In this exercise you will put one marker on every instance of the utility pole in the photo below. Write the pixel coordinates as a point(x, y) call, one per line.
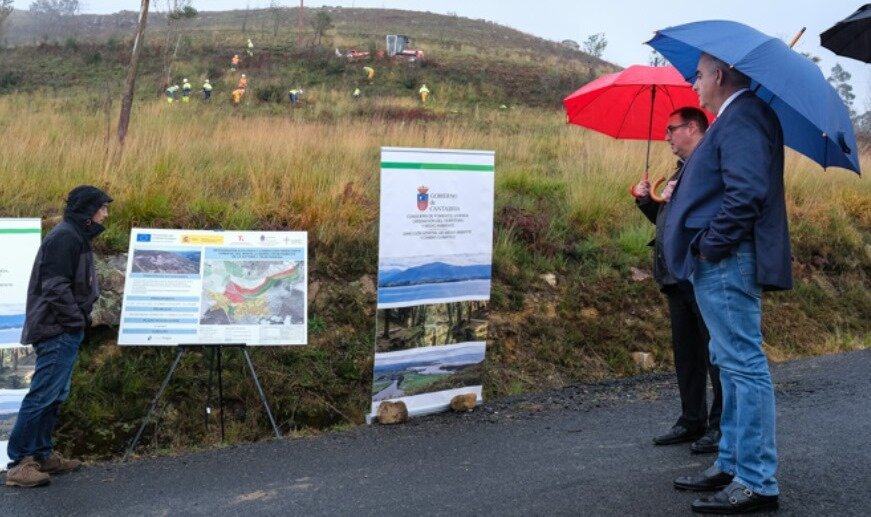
point(127, 99)
point(299, 26)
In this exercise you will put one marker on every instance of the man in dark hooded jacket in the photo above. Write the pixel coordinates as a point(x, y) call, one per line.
point(62, 290)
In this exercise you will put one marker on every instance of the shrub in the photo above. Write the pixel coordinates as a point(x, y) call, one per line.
point(269, 93)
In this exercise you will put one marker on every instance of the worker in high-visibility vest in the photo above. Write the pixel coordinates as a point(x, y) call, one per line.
point(356, 93)
point(243, 82)
point(170, 93)
point(370, 72)
point(424, 93)
point(234, 63)
point(293, 96)
point(207, 91)
point(185, 90)
point(250, 48)
point(237, 95)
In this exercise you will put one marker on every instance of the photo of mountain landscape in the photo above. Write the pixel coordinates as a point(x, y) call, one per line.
point(424, 279)
point(11, 324)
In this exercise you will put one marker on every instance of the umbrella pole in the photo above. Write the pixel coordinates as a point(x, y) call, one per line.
point(649, 136)
point(649, 132)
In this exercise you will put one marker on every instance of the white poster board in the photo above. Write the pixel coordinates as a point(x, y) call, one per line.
point(215, 287)
point(435, 257)
point(19, 240)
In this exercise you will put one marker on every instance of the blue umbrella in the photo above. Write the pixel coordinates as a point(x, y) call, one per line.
point(815, 120)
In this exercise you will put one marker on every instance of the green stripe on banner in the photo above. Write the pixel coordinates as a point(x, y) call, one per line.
point(20, 230)
point(438, 166)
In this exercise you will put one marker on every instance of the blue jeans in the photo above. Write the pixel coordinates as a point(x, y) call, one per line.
point(49, 387)
point(730, 300)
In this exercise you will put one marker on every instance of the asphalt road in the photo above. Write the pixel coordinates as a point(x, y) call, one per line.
point(583, 450)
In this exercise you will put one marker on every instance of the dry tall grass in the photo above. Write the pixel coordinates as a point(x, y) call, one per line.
point(316, 168)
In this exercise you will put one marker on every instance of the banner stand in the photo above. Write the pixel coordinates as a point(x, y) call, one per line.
point(215, 352)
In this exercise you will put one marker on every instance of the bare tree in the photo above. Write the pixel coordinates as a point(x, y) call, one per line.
point(278, 13)
point(840, 81)
point(178, 13)
point(595, 44)
point(55, 7)
point(127, 99)
point(245, 18)
point(321, 24)
point(58, 13)
point(6, 9)
point(656, 59)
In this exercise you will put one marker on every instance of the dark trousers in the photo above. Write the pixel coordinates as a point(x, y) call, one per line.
point(689, 341)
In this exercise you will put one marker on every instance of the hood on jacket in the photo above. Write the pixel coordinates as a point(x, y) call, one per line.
point(82, 203)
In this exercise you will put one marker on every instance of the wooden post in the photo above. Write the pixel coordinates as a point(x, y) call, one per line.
point(299, 27)
point(127, 100)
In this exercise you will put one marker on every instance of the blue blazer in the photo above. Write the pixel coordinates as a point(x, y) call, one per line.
point(729, 191)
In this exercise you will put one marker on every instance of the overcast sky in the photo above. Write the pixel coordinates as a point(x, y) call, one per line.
point(626, 23)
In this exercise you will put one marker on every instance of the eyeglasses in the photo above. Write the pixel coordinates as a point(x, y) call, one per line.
point(671, 129)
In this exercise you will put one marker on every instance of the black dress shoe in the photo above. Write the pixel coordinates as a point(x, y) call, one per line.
point(734, 499)
point(710, 479)
point(708, 443)
point(678, 434)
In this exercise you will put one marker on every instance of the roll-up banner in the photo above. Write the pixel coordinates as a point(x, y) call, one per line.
point(434, 271)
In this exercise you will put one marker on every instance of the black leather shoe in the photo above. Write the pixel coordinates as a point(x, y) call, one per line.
point(710, 479)
point(678, 434)
point(734, 499)
point(708, 443)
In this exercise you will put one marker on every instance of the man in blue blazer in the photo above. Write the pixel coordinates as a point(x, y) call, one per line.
point(726, 231)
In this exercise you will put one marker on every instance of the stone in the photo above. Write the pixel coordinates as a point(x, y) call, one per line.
point(313, 289)
point(644, 360)
point(392, 412)
point(464, 402)
point(639, 275)
point(549, 278)
point(589, 313)
point(367, 285)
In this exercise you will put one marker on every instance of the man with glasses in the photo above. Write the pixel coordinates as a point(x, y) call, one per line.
point(689, 336)
point(62, 290)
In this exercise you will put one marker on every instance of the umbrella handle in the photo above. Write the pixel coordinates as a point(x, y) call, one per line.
point(653, 195)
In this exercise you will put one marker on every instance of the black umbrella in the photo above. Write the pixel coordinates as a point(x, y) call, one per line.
point(851, 36)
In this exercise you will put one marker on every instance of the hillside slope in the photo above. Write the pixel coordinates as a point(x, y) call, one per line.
point(478, 60)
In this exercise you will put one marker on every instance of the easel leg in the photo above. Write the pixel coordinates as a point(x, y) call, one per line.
point(260, 391)
point(221, 393)
point(154, 403)
point(209, 388)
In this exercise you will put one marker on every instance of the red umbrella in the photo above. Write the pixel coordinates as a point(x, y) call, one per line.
point(631, 103)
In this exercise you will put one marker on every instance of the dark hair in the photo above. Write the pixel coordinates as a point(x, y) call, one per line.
point(691, 114)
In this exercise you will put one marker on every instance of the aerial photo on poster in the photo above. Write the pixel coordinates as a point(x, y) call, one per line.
point(252, 292)
point(167, 262)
